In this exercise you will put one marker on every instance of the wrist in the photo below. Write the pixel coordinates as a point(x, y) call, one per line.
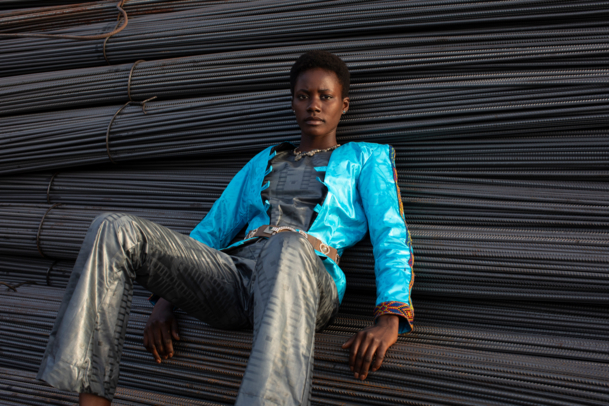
point(163, 305)
point(388, 320)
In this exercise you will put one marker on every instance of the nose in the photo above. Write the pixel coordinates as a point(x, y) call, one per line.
point(314, 105)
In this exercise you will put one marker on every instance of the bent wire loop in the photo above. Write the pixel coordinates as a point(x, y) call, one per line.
point(130, 102)
point(49, 187)
point(48, 279)
point(42, 254)
point(79, 37)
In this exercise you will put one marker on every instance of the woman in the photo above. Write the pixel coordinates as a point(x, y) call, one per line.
point(302, 207)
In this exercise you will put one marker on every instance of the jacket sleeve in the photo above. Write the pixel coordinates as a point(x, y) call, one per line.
point(228, 215)
point(392, 245)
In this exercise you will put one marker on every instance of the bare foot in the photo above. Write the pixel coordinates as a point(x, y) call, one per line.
point(87, 399)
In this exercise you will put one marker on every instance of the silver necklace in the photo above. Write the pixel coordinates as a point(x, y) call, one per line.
point(300, 155)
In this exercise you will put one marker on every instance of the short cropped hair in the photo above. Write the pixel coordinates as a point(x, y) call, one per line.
point(324, 60)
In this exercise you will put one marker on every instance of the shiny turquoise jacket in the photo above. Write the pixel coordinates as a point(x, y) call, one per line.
point(362, 195)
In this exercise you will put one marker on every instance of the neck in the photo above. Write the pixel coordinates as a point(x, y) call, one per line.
point(309, 144)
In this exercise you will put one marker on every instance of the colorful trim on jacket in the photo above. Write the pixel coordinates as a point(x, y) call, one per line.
point(404, 310)
point(395, 179)
point(400, 204)
point(398, 308)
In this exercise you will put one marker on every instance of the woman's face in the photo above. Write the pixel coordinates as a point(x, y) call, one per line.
point(318, 102)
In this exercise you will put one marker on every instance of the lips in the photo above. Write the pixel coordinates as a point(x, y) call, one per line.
point(314, 120)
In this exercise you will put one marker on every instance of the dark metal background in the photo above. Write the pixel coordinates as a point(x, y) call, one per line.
point(499, 115)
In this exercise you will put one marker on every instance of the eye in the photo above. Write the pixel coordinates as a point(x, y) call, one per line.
point(326, 97)
point(301, 97)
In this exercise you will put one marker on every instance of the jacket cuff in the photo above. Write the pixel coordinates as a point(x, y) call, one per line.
point(401, 309)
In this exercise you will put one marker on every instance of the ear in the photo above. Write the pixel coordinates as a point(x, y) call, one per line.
point(346, 104)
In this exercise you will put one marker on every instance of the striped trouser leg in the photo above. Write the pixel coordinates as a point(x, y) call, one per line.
point(293, 297)
point(85, 345)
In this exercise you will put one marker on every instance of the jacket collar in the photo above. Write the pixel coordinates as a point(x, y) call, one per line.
point(284, 146)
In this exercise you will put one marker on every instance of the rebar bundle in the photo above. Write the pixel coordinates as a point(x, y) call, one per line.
point(18, 387)
point(480, 366)
point(566, 319)
point(70, 15)
point(473, 236)
point(174, 185)
point(22, 4)
point(18, 271)
point(459, 261)
point(236, 123)
point(524, 61)
point(497, 111)
point(26, 228)
point(252, 26)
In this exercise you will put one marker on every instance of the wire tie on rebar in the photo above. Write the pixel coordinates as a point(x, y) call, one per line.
point(118, 21)
point(8, 286)
point(106, 41)
point(40, 230)
point(119, 6)
point(49, 272)
point(129, 79)
point(24, 283)
point(49, 187)
point(131, 101)
point(142, 103)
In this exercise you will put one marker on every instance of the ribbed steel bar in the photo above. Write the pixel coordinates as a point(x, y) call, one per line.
point(18, 387)
point(68, 226)
point(525, 317)
point(434, 364)
point(498, 114)
point(412, 63)
point(458, 261)
point(240, 122)
point(250, 25)
point(72, 15)
point(506, 201)
point(22, 4)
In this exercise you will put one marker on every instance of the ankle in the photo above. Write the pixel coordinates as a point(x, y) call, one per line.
point(88, 399)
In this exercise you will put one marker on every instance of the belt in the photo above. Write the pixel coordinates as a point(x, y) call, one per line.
point(268, 231)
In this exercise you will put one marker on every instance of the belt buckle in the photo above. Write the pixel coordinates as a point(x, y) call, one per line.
point(324, 248)
point(270, 230)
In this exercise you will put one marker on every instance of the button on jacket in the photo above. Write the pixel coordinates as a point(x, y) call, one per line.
point(362, 195)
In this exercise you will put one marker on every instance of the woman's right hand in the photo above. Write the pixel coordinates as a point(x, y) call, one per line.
point(160, 328)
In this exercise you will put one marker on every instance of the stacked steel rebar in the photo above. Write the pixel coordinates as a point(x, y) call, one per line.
point(498, 112)
point(247, 121)
point(73, 15)
point(27, 4)
point(469, 241)
point(249, 26)
point(524, 63)
point(434, 365)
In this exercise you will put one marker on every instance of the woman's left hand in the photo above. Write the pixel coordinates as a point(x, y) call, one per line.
point(371, 344)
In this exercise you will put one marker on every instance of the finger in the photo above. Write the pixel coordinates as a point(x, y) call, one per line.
point(368, 357)
point(167, 343)
point(359, 357)
point(353, 353)
point(349, 342)
point(156, 355)
point(380, 356)
point(174, 329)
point(148, 340)
point(158, 341)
